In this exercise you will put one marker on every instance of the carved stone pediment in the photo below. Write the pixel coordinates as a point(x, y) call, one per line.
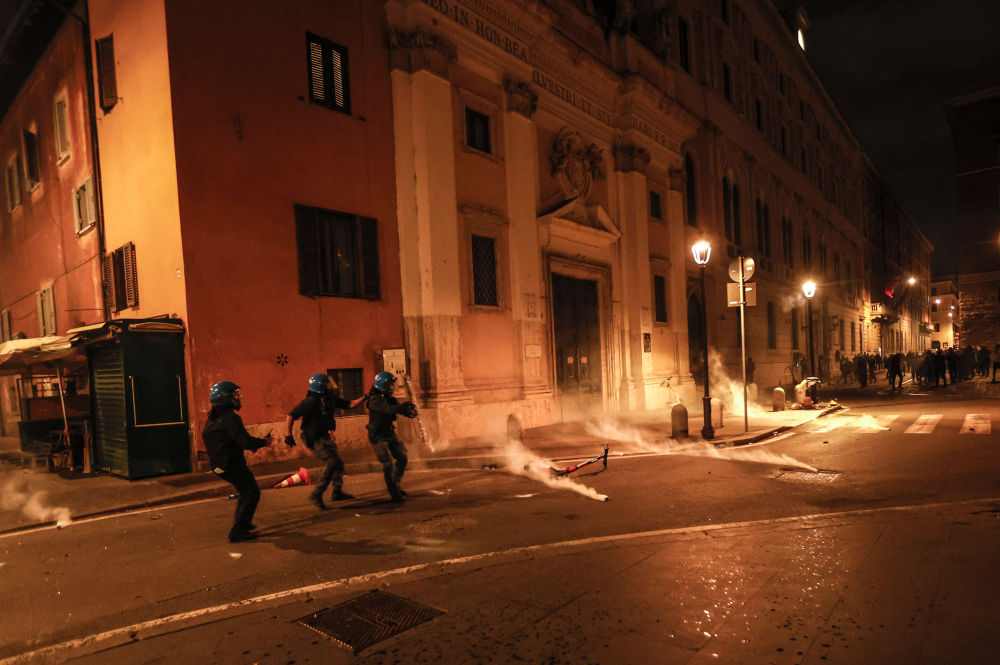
point(579, 222)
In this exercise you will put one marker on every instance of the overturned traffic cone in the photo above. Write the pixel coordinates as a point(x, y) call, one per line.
point(300, 478)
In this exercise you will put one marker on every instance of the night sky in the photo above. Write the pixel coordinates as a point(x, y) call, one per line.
point(889, 65)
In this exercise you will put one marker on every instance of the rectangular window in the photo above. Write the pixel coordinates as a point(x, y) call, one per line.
point(107, 81)
point(5, 326)
point(32, 168)
point(121, 278)
point(937, 327)
point(484, 272)
point(45, 301)
point(683, 40)
point(854, 338)
point(61, 111)
point(784, 141)
point(727, 82)
point(756, 50)
point(84, 206)
point(758, 107)
point(329, 74)
point(13, 181)
point(782, 85)
point(477, 131)
point(338, 254)
point(350, 386)
point(933, 307)
point(655, 206)
point(724, 10)
point(660, 297)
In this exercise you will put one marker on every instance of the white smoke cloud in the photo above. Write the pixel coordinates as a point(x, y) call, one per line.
point(523, 462)
point(639, 441)
point(14, 495)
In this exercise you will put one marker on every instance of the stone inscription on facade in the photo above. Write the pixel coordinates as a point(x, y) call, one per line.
point(483, 28)
point(571, 97)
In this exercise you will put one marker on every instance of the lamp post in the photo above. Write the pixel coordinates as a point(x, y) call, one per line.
point(809, 289)
point(702, 251)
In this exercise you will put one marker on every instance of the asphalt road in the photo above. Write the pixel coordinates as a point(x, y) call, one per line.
point(537, 574)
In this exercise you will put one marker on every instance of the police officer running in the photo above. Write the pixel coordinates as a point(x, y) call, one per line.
point(382, 411)
point(316, 412)
point(225, 440)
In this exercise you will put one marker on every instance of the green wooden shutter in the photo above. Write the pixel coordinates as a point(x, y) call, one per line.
point(370, 275)
point(131, 275)
point(308, 249)
point(107, 79)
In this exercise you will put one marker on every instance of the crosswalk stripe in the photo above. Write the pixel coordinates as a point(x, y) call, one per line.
point(924, 424)
point(976, 423)
point(883, 422)
point(832, 425)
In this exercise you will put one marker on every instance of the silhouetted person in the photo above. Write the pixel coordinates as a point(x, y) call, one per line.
point(995, 357)
point(750, 369)
point(953, 360)
point(983, 361)
point(861, 368)
point(940, 369)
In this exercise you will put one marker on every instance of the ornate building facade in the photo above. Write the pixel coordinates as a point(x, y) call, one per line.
point(555, 163)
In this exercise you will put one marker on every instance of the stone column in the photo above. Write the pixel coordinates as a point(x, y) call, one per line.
point(428, 216)
point(679, 252)
point(633, 219)
point(526, 270)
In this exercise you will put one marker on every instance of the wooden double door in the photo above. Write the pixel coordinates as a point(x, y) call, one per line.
point(576, 320)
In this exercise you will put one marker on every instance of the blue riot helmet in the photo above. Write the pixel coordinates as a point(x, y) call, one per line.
point(321, 384)
point(385, 382)
point(225, 393)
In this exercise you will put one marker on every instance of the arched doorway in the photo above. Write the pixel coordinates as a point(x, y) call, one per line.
point(696, 349)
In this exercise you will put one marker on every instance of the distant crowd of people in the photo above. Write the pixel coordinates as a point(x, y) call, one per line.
point(956, 364)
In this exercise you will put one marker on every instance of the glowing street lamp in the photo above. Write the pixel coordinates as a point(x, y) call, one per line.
point(912, 281)
point(702, 251)
point(809, 290)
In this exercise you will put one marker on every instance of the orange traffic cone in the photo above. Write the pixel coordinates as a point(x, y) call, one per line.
point(300, 478)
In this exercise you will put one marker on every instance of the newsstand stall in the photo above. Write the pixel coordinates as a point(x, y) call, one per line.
point(138, 400)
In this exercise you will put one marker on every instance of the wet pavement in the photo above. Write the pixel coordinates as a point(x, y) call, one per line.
point(702, 554)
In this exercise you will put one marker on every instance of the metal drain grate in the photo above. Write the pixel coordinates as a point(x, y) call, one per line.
point(809, 476)
point(444, 524)
point(369, 619)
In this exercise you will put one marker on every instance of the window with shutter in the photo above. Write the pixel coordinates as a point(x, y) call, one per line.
point(40, 311)
point(49, 305)
point(110, 283)
point(329, 74)
point(62, 127)
point(5, 326)
point(338, 253)
point(106, 78)
point(13, 184)
point(84, 206)
point(32, 170)
point(131, 279)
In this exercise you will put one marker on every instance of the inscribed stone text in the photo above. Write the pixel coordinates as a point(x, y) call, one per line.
point(480, 26)
point(569, 96)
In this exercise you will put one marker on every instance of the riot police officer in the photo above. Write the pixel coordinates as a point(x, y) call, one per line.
point(225, 440)
point(316, 412)
point(382, 411)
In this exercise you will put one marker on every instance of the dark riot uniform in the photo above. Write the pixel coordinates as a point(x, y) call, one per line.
point(316, 412)
point(225, 440)
point(382, 412)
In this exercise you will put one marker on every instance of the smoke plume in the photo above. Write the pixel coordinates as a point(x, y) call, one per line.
point(638, 441)
point(523, 462)
point(14, 495)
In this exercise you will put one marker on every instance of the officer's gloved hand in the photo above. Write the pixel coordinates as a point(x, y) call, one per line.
point(290, 440)
point(409, 409)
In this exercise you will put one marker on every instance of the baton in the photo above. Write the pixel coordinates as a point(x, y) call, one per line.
point(420, 422)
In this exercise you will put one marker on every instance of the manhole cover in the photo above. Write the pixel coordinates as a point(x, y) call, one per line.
point(809, 476)
point(444, 524)
point(369, 619)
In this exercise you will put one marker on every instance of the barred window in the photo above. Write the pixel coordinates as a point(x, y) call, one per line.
point(477, 131)
point(350, 386)
point(484, 272)
point(655, 206)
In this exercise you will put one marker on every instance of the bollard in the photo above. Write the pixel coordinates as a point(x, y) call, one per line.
point(679, 421)
point(778, 399)
point(717, 413)
point(515, 428)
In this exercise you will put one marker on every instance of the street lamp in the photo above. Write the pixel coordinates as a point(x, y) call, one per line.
point(912, 281)
point(809, 289)
point(702, 251)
